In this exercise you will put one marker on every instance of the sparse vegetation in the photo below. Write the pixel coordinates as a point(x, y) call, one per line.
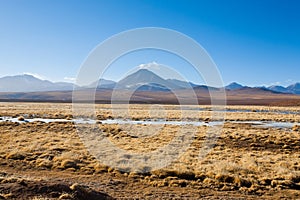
point(245, 160)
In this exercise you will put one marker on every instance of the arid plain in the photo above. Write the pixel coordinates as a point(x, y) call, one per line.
point(255, 156)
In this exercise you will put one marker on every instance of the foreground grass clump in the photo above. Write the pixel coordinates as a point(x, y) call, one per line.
point(164, 173)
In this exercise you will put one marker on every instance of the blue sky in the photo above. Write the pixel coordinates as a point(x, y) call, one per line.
point(252, 42)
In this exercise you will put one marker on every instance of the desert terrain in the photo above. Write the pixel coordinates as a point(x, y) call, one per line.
point(44, 155)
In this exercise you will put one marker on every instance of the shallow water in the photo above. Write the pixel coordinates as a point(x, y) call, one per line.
point(269, 124)
point(277, 125)
point(26, 120)
point(160, 122)
point(260, 124)
point(112, 121)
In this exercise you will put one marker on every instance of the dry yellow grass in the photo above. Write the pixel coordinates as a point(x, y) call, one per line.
point(245, 158)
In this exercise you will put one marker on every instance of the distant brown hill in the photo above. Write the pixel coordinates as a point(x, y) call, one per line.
point(242, 96)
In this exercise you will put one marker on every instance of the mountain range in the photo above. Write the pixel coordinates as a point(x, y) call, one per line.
point(141, 80)
point(29, 83)
point(292, 89)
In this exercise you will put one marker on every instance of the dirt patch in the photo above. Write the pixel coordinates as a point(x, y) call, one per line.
point(19, 188)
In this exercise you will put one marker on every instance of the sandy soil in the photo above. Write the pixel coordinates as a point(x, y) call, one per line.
point(49, 160)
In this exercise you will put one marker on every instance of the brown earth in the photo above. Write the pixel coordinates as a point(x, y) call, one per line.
point(244, 96)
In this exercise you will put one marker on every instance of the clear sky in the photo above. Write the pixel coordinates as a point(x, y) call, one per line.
point(253, 42)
